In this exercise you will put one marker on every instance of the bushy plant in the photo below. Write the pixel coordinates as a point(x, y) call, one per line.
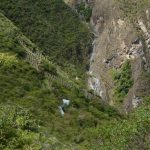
point(47, 67)
point(123, 81)
point(17, 128)
point(8, 60)
point(84, 10)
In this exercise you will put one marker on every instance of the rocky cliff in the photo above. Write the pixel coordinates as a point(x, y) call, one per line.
point(117, 41)
point(121, 35)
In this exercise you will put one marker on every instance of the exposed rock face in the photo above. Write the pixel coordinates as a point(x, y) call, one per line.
point(115, 42)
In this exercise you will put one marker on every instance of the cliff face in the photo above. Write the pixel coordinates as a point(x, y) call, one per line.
point(117, 41)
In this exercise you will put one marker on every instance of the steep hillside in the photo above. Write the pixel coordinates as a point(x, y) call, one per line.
point(53, 27)
point(43, 48)
point(26, 88)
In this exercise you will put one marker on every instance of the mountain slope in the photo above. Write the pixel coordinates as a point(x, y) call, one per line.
point(24, 87)
point(53, 27)
point(32, 88)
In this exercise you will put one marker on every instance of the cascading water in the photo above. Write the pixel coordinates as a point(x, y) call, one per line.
point(93, 81)
point(95, 85)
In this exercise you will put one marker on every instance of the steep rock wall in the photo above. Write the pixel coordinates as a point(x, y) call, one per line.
point(116, 41)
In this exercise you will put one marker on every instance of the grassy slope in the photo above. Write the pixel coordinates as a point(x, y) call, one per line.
point(133, 8)
point(52, 26)
point(22, 85)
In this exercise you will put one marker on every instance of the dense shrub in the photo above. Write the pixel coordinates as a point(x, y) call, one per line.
point(8, 60)
point(18, 129)
point(84, 10)
point(123, 81)
point(47, 67)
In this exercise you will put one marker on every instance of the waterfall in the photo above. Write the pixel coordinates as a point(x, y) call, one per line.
point(93, 81)
point(95, 85)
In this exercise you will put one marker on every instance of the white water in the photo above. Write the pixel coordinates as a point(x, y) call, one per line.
point(95, 85)
point(93, 81)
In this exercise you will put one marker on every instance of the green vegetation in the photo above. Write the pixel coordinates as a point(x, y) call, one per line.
point(130, 133)
point(133, 8)
point(7, 60)
point(47, 67)
point(18, 130)
point(29, 114)
point(8, 37)
point(22, 86)
point(123, 81)
point(84, 10)
point(52, 26)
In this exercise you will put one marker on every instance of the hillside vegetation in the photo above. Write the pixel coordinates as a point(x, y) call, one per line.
point(29, 101)
point(23, 87)
point(52, 26)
